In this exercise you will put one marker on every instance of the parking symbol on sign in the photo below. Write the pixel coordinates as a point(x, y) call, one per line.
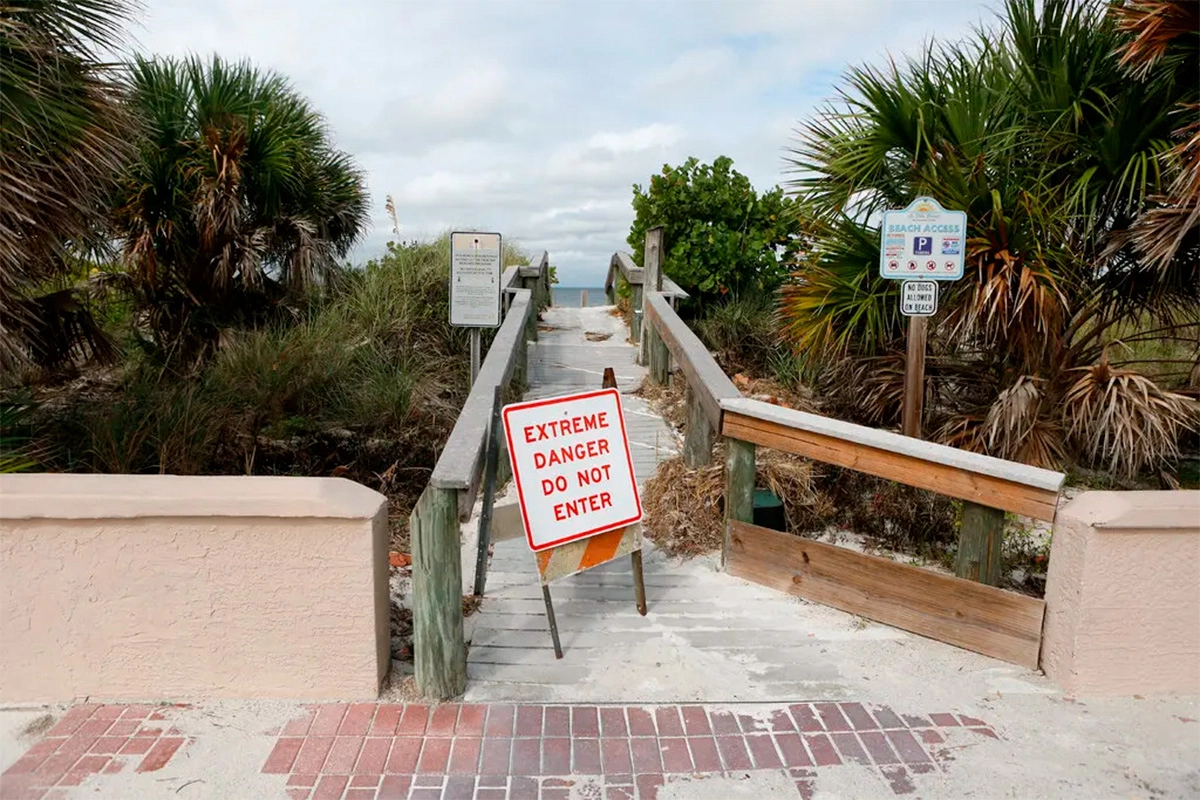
point(922, 245)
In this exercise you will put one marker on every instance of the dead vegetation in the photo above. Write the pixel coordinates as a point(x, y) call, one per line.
point(685, 507)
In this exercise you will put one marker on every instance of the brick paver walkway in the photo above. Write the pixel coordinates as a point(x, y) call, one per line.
point(524, 752)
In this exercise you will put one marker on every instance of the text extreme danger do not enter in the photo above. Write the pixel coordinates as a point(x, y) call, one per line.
point(556, 455)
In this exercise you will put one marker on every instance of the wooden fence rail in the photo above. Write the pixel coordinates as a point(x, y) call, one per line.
point(707, 384)
point(439, 649)
point(961, 610)
point(621, 265)
point(946, 470)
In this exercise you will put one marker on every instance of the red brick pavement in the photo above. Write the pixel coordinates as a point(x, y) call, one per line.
point(534, 752)
point(93, 740)
point(521, 752)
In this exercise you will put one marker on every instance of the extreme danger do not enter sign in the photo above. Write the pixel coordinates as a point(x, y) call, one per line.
point(572, 467)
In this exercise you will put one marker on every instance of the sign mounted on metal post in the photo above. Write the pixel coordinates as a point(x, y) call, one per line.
point(475, 275)
point(918, 298)
point(923, 241)
point(572, 467)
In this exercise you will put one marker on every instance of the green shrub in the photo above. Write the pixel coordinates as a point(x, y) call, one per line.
point(741, 333)
point(373, 359)
point(719, 234)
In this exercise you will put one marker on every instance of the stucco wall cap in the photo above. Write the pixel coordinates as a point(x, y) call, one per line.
point(1137, 511)
point(70, 496)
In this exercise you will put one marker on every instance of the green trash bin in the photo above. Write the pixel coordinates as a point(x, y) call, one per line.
point(768, 510)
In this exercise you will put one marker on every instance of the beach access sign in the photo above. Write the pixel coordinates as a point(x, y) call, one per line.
point(572, 467)
point(923, 242)
point(475, 275)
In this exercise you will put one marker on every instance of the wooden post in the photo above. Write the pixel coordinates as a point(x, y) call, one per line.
point(980, 544)
point(651, 282)
point(739, 487)
point(439, 651)
point(660, 356)
point(531, 333)
point(583, 298)
point(698, 439)
point(491, 465)
point(635, 306)
point(914, 376)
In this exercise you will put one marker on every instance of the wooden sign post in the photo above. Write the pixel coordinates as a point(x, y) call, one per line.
point(575, 485)
point(914, 376)
point(918, 302)
point(919, 245)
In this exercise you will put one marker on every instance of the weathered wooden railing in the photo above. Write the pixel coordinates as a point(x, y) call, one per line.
point(963, 612)
point(622, 266)
point(439, 650)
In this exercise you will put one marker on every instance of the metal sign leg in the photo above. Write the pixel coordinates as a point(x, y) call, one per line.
point(553, 623)
point(639, 585)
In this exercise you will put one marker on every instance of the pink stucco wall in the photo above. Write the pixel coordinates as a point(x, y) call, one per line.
point(1123, 594)
point(162, 587)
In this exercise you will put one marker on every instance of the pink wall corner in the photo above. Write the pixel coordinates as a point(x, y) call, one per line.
point(161, 587)
point(1123, 594)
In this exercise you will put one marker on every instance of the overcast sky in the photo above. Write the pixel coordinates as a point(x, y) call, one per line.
point(536, 117)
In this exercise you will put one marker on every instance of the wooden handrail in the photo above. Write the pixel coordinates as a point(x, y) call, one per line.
point(988, 481)
point(459, 464)
point(440, 663)
point(708, 382)
point(634, 275)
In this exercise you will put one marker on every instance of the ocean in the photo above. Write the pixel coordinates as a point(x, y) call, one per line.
point(569, 296)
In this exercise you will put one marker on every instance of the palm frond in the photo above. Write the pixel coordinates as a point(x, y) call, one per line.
point(64, 137)
point(1124, 422)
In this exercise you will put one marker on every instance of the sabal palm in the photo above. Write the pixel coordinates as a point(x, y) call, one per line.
point(237, 196)
point(63, 134)
point(1052, 149)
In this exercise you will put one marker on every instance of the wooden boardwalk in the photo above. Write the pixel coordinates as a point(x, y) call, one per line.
point(564, 361)
point(708, 636)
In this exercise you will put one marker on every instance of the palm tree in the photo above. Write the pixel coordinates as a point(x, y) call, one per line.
point(1041, 136)
point(1165, 37)
point(63, 134)
point(236, 201)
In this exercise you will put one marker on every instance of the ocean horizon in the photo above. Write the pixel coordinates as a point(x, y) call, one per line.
point(569, 296)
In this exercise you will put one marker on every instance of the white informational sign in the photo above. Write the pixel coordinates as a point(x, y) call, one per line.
point(475, 275)
point(923, 241)
point(918, 298)
point(571, 464)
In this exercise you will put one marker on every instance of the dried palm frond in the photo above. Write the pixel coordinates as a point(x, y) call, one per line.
point(1018, 426)
point(869, 389)
point(1155, 25)
point(685, 507)
point(1124, 422)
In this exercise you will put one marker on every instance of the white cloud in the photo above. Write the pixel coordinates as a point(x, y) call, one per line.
point(439, 188)
point(536, 118)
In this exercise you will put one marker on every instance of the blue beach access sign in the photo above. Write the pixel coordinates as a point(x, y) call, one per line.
point(922, 242)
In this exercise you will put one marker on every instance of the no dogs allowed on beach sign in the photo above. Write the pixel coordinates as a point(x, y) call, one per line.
point(572, 467)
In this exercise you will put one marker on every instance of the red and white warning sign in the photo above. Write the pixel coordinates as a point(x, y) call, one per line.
point(571, 463)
